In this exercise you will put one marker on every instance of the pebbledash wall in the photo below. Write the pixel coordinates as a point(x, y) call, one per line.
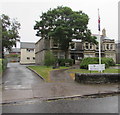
point(27, 53)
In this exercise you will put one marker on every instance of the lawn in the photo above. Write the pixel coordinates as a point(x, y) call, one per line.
point(73, 71)
point(44, 71)
point(0, 66)
point(117, 64)
point(87, 71)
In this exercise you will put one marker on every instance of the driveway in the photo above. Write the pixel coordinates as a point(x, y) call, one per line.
point(17, 74)
point(21, 84)
point(18, 82)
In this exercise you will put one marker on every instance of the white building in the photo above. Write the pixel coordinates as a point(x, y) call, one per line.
point(27, 53)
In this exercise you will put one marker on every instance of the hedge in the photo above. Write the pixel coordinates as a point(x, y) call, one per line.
point(4, 64)
point(63, 61)
point(95, 60)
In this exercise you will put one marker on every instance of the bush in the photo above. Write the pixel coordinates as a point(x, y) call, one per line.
point(63, 61)
point(3, 65)
point(86, 61)
point(108, 62)
point(49, 59)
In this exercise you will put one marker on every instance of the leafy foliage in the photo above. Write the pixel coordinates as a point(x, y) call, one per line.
point(62, 25)
point(86, 61)
point(9, 32)
point(63, 61)
point(49, 59)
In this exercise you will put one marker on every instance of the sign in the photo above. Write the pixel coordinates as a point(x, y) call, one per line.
point(96, 67)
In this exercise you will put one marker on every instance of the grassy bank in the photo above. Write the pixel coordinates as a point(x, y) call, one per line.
point(87, 71)
point(73, 71)
point(0, 66)
point(44, 71)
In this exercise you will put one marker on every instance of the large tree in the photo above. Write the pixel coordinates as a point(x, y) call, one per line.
point(9, 29)
point(62, 25)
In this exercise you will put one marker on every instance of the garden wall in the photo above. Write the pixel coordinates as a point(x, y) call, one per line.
point(97, 78)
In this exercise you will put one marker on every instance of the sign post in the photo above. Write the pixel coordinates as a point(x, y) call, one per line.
point(96, 67)
point(99, 42)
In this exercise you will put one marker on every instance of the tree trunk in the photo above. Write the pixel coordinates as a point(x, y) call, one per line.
point(2, 53)
point(66, 54)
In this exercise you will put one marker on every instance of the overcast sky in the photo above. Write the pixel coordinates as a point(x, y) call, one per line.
point(27, 11)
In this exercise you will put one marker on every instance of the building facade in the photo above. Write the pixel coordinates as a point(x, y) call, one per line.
point(78, 50)
point(27, 53)
point(118, 53)
point(44, 45)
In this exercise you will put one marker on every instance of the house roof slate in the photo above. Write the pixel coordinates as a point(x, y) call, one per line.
point(24, 45)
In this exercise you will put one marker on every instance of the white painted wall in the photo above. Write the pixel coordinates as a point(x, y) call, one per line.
point(25, 54)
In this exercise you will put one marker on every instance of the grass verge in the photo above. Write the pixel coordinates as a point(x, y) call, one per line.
point(87, 71)
point(73, 71)
point(44, 71)
point(0, 67)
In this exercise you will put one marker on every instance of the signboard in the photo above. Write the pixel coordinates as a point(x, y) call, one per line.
point(96, 67)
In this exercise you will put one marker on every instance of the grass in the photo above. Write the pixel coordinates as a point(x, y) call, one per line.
point(44, 71)
point(117, 64)
point(87, 71)
point(0, 66)
point(73, 71)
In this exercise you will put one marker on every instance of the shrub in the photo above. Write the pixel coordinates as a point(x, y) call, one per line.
point(86, 61)
point(4, 64)
point(63, 61)
point(49, 59)
point(90, 60)
point(108, 62)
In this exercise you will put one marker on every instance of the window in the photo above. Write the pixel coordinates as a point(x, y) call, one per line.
point(55, 45)
point(86, 45)
point(107, 46)
point(28, 58)
point(73, 46)
point(90, 46)
point(61, 55)
point(96, 47)
point(33, 58)
point(55, 54)
point(111, 46)
point(30, 50)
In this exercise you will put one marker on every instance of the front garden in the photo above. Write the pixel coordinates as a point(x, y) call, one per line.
point(44, 71)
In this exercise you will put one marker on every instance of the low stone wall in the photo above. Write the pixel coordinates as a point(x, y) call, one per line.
point(98, 78)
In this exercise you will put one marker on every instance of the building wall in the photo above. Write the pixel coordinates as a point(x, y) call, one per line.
point(42, 46)
point(78, 51)
point(27, 57)
point(118, 53)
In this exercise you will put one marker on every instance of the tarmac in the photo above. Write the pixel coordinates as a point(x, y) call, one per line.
point(61, 86)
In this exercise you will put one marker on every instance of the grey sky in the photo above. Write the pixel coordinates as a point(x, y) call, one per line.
point(27, 11)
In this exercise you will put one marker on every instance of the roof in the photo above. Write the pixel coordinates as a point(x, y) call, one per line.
point(24, 45)
point(17, 50)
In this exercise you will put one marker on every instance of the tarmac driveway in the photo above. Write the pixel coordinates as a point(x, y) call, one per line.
point(21, 84)
point(18, 82)
point(17, 74)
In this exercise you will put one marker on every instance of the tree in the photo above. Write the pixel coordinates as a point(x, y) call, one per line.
point(49, 59)
point(62, 25)
point(9, 29)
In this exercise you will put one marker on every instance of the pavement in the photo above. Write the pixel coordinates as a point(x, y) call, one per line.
point(21, 84)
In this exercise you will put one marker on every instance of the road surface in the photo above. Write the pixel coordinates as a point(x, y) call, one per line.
point(80, 105)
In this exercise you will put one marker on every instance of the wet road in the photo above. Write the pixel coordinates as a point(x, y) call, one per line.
point(18, 75)
point(18, 82)
point(21, 84)
point(81, 105)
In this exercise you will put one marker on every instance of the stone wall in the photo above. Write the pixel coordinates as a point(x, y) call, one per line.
point(97, 77)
